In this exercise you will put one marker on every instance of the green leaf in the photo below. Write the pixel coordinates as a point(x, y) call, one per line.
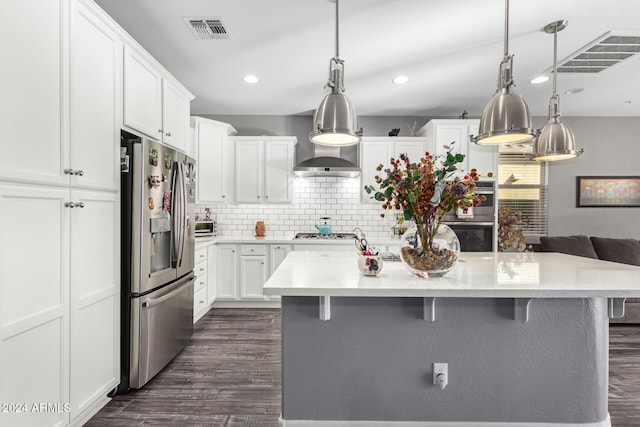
point(459, 158)
point(388, 192)
point(379, 197)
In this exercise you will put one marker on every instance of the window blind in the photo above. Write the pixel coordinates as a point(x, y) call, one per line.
point(523, 186)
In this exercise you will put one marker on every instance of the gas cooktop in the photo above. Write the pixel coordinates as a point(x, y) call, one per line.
point(332, 236)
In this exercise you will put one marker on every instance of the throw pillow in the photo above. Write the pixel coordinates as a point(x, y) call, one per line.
point(579, 245)
point(626, 251)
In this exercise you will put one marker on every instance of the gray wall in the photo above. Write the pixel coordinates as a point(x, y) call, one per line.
point(612, 147)
point(373, 360)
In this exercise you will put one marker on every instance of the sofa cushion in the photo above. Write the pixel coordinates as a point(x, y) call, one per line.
point(626, 251)
point(579, 245)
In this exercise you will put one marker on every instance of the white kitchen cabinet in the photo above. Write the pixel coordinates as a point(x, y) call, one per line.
point(227, 272)
point(277, 254)
point(377, 150)
point(142, 94)
point(253, 275)
point(154, 104)
point(34, 302)
point(263, 169)
point(32, 82)
point(75, 139)
point(95, 297)
point(95, 100)
point(333, 247)
point(212, 259)
point(442, 132)
point(200, 286)
point(61, 318)
point(213, 154)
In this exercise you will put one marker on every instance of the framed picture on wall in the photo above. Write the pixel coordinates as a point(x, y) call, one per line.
point(608, 191)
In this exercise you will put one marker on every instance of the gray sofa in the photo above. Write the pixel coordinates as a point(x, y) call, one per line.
point(626, 251)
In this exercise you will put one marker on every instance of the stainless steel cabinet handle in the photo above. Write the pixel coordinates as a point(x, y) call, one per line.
point(79, 204)
point(69, 205)
point(233, 250)
point(168, 133)
point(70, 171)
point(201, 302)
point(251, 250)
point(266, 197)
point(258, 197)
point(223, 196)
point(160, 130)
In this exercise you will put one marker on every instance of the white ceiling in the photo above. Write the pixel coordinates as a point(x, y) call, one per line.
point(450, 50)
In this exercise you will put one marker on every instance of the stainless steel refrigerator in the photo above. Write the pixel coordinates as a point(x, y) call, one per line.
point(158, 243)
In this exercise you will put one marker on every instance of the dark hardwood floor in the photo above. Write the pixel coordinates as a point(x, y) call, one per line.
point(229, 375)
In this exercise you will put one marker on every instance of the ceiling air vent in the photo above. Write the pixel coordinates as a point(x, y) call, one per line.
point(604, 52)
point(208, 28)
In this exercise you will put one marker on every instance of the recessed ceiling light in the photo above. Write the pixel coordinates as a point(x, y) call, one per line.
point(539, 79)
point(251, 79)
point(399, 80)
point(573, 91)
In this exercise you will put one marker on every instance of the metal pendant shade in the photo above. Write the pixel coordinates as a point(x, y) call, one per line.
point(506, 118)
point(556, 140)
point(335, 121)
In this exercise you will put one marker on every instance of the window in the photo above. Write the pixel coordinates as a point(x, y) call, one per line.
point(523, 186)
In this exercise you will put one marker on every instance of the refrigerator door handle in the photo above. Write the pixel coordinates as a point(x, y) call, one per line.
point(177, 196)
point(183, 213)
point(155, 301)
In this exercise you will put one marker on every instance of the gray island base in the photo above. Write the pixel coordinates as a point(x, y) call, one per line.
point(373, 360)
point(370, 361)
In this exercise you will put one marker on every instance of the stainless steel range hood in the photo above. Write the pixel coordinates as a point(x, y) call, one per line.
point(326, 161)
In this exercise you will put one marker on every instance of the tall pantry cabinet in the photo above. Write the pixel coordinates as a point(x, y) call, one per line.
point(59, 210)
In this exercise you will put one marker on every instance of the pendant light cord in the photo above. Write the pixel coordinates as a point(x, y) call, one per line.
point(555, 61)
point(337, 32)
point(506, 28)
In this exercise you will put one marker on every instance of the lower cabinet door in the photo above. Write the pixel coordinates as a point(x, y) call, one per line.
point(226, 272)
point(199, 304)
point(253, 274)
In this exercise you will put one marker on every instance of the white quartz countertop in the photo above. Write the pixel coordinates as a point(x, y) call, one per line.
point(286, 240)
point(477, 274)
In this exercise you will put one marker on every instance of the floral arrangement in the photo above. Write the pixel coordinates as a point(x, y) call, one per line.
point(425, 191)
point(510, 234)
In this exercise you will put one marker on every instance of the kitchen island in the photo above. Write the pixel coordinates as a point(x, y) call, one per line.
point(525, 337)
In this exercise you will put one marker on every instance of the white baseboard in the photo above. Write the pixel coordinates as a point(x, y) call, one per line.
point(308, 423)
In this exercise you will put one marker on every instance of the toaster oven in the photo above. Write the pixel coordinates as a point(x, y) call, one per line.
point(205, 228)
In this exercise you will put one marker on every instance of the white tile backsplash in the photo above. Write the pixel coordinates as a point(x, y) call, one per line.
point(338, 198)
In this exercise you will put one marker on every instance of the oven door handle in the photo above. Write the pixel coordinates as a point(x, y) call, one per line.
point(155, 301)
point(470, 222)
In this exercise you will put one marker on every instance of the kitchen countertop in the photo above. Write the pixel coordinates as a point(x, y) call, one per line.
point(285, 240)
point(477, 274)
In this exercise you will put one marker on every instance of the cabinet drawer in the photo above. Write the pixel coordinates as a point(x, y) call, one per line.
point(200, 269)
point(253, 249)
point(200, 301)
point(201, 255)
point(201, 281)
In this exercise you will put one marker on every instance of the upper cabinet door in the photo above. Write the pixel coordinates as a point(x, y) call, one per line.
point(142, 95)
point(210, 139)
point(249, 172)
point(32, 83)
point(95, 59)
point(278, 163)
point(373, 153)
point(175, 116)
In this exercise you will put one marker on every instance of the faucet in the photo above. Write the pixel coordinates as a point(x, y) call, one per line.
point(361, 234)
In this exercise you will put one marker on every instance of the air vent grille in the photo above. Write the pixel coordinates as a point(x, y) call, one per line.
point(208, 28)
point(605, 52)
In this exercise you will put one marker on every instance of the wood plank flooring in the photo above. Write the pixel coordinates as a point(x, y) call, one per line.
point(229, 375)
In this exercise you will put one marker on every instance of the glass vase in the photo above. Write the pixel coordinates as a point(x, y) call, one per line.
point(436, 260)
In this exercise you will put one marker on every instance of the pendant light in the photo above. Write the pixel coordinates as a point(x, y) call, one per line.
point(335, 121)
point(556, 141)
point(506, 117)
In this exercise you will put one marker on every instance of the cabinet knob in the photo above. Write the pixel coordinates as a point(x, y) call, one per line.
point(80, 172)
point(160, 130)
point(233, 250)
point(69, 172)
point(69, 205)
point(262, 263)
point(168, 133)
point(251, 250)
point(79, 204)
point(258, 197)
point(201, 302)
point(223, 196)
point(266, 197)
